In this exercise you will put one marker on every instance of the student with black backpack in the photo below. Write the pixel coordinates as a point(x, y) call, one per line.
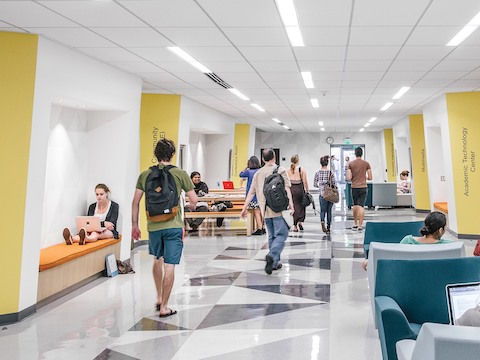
point(272, 187)
point(162, 185)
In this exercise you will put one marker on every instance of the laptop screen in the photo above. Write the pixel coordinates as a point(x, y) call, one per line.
point(464, 304)
point(227, 185)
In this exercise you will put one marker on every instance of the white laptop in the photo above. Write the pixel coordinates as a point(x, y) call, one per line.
point(460, 298)
point(89, 223)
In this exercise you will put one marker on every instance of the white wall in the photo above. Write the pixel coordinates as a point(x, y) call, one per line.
point(111, 139)
point(311, 146)
point(197, 119)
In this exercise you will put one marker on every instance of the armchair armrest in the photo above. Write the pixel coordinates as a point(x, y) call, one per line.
point(392, 324)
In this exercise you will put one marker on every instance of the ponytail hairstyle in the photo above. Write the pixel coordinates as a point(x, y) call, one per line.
point(294, 161)
point(324, 160)
point(104, 188)
point(405, 173)
point(433, 223)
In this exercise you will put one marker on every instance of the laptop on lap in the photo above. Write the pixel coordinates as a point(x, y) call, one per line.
point(89, 223)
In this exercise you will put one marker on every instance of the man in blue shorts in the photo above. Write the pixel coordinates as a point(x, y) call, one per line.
point(165, 237)
point(358, 172)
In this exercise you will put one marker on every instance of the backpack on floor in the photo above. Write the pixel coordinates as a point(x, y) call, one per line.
point(275, 193)
point(161, 195)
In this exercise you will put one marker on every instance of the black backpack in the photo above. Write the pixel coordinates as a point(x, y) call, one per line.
point(275, 193)
point(161, 195)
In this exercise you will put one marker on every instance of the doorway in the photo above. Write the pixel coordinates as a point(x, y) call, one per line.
point(340, 155)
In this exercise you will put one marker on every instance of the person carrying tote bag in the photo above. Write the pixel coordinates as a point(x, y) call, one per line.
point(325, 181)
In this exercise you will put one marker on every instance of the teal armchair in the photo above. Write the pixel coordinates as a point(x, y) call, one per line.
point(389, 232)
point(409, 293)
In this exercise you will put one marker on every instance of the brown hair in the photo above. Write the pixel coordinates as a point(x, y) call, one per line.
point(294, 161)
point(104, 187)
point(324, 160)
point(405, 173)
point(164, 150)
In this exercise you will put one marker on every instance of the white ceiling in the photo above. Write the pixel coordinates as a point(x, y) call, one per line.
point(360, 52)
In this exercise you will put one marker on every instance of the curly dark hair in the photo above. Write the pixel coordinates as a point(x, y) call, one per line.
point(165, 150)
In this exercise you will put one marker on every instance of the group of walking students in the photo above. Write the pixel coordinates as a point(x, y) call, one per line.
point(299, 187)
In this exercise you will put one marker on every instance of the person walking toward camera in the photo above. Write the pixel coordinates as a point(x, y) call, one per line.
point(358, 172)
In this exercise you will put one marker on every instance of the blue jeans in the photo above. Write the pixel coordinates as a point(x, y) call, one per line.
point(325, 208)
point(277, 234)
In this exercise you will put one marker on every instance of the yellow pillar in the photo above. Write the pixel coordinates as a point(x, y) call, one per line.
point(17, 74)
point(464, 126)
point(419, 163)
point(390, 155)
point(240, 154)
point(159, 118)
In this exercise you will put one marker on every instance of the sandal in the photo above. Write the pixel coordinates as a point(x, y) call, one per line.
point(172, 312)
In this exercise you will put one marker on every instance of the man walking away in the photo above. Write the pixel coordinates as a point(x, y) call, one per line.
point(165, 236)
point(277, 227)
point(358, 172)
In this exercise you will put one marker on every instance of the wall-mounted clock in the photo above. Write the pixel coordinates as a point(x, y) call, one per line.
point(330, 140)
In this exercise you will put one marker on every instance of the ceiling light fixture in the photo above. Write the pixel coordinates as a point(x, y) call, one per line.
point(285, 126)
point(290, 21)
point(307, 79)
point(258, 107)
point(320, 123)
point(386, 106)
point(372, 119)
point(401, 92)
point(361, 130)
point(466, 31)
point(322, 129)
point(179, 52)
point(239, 94)
point(367, 124)
point(276, 120)
point(314, 103)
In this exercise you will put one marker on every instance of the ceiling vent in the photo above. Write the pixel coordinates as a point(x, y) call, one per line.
point(215, 78)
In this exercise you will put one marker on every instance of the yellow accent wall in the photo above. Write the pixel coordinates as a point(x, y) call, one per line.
point(419, 162)
point(463, 111)
point(240, 154)
point(159, 118)
point(17, 85)
point(390, 155)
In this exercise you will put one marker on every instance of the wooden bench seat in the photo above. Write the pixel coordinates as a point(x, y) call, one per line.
point(234, 212)
point(63, 268)
point(441, 206)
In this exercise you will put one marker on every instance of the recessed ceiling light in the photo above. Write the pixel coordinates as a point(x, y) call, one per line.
point(361, 130)
point(295, 36)
point(320, 123)
point(401, 92)
point(322, 129)
point(286, 127)
point(307, 79)
point(466, 31)
point(239, 94)
point(179, 52)
point(386, 106)
point(276, 120)
point(259, 108)
point(314, 103)
point(367, 124)
point(372, 119)
point(288, 14)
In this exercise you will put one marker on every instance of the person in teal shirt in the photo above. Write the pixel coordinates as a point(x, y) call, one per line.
point(432, 231)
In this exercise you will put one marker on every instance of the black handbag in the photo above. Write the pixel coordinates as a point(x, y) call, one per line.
point(307, 198)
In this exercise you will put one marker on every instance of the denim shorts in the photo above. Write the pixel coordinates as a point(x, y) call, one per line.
point(166, 243)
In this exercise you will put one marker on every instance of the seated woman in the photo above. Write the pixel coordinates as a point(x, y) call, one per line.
point(432, 232)
point(106, 210)
point(200, 189)
point(404, 186)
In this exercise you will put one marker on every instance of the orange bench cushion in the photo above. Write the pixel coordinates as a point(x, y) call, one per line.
point(61, 253)
point(442, 206)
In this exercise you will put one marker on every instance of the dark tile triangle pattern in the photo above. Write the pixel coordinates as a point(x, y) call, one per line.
point(218, 279)
point(320, 292)
point(225, 257)
point(225, 314)
point(238, 248)
point(146, 324)
point(108, 354)
point(323, 264)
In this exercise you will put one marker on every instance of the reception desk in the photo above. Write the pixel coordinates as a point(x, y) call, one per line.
point(380, 194)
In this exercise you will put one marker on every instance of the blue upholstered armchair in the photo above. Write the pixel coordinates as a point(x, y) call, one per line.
point(389, 232)
point(409, 293)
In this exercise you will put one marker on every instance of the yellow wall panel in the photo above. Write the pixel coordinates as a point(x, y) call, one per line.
point(159, 118)
point(240, 155)
point(17, 85)
point(464, 125)
point(419, 162)
point(390, 155)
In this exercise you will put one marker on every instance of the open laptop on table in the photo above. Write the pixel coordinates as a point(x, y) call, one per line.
point(89, 223)
point(228, 185)
point(461, 299)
